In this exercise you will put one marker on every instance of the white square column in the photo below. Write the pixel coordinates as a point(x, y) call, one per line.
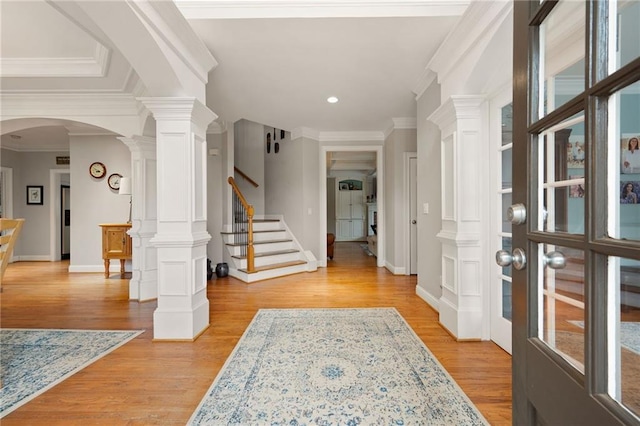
point(143, 285)
point(463, 143)
point(181, 237)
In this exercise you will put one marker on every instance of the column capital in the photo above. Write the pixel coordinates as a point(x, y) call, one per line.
point(137, 143)
point(456, 108)
point(185, 108)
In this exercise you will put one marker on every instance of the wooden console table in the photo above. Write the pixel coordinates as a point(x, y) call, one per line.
point(116, 244)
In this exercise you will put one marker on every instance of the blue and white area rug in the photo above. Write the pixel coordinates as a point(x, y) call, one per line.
point(629, 334)
point(333, 367)
point(32, 361)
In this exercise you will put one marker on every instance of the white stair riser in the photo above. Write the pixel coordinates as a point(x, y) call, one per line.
point(270, 247)
point(266, 236)
point(257, 236)
point(270, 260)
point(263, 248)
point(267, 226)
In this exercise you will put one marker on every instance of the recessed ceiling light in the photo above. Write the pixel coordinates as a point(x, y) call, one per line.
point(332, 99)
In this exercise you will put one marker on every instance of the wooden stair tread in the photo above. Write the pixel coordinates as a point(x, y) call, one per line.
point(261, 242)
point(270, 253)
point(274, 266)
point(254, 231)
point(262, 221)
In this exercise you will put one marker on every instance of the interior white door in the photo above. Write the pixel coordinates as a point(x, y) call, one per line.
point(413, 216)
point(501, 178)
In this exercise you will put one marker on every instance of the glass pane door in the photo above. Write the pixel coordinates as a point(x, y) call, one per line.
point(576, 132)
point(501, 286)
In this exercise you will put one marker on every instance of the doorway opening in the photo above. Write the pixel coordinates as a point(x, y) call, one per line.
point(65, 225)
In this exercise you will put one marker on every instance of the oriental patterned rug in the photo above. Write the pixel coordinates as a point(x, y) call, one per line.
point(32, 361)
point(333, 367)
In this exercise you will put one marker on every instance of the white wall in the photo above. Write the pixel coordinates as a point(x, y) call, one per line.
point(311, 197)
point(292, 188)
point(284, 183)
point(216, 183)
point(390, 218)
point(92, 201)
point(429, 247)
point(249, 154)
point(32, 168)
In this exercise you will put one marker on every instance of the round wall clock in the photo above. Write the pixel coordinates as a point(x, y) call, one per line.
point(114, 181)
point(97, 170)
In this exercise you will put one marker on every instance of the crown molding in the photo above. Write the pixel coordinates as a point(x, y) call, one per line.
point(305, 132)
point(400, 123)
point(78, 104)
point(60, 149)
point(95, 66)
point(373, 136)
point(405, 123)
point(84, 134)
point(253, 9)
point(426, 79)
point(479, 22)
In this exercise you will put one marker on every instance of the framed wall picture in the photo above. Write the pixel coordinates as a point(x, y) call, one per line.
point(576, 191)
point(630, 153)
point(34, 195)
point(630, 192)
point(575, 152)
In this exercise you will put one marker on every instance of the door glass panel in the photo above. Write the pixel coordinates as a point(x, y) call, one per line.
point(562, 43)
point(563, 156)
point(506, 199)
point(562, 316)
point(506, 299)
point(507, 125)
point(624, 33)
point(624, 143)
point(506, 202)
point(625, 362)
point(506, 245)
point(506, 169)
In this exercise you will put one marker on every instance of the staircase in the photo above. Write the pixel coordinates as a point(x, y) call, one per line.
point(277, 252)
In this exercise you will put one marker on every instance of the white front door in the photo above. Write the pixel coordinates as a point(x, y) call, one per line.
point(501, 144)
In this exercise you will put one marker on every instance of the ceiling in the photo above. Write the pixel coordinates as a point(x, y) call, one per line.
point(278, 61)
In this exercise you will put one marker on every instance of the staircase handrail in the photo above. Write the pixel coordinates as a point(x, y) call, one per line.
point(244, 175)
point(250, 212)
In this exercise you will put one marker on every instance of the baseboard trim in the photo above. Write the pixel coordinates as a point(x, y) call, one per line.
point(395, 270)
point(427, 297)
point(31, 258)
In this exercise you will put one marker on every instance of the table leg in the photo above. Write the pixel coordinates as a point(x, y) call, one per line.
point(122, 268)
point(106, 268)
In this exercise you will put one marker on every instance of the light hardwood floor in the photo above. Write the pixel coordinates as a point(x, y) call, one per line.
point(146, 382)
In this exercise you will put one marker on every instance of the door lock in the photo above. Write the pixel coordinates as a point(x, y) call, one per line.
point(518, 259)
point(517, 214)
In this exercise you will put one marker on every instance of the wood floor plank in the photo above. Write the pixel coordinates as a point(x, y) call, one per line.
point(161, 383)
